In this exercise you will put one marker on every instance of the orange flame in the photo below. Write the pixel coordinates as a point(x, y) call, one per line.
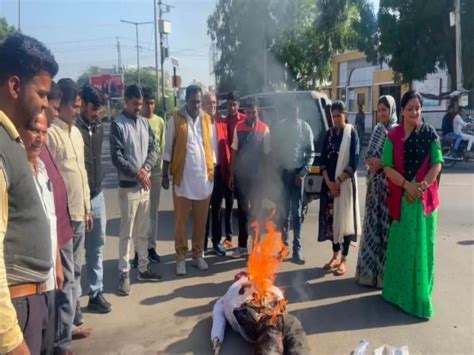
point(268, 252)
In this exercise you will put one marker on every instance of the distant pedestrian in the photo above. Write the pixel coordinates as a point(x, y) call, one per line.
point(221, 190)
point(189, 157)
point(26, 72)
point(92, 130)
point(412, 160)
point(132, 146)
point(339, 202)
point(250, 155)
point(157, 125)
point(293, 155)
point(373, 244)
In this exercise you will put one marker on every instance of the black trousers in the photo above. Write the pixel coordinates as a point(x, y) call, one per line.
point(32, 315)
point(49, 334)
point(336, 247)
point(249, 205)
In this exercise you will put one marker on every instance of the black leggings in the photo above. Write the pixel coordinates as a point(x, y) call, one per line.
point(336, 247)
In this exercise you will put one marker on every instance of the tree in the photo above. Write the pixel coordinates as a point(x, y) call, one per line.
point(416, 38)
point(5, 29)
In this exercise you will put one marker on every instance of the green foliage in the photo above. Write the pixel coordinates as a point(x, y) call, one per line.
point(415, 37)
point(5, 29)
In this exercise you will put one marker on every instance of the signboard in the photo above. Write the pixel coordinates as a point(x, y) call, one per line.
point(110, 85)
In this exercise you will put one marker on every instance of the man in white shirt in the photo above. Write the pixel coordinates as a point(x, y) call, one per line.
point(189, 157)
point(458, 125)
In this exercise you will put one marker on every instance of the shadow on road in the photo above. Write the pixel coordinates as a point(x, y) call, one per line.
point(354, 314)
point(466, 242)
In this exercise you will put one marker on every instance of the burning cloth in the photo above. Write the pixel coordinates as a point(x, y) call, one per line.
point(267, 325)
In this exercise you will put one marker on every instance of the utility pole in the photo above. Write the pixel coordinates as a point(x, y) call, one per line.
point(119, 56)
point(138, 46)
point(162, 50)
point(19, 15)
point(155, 22)
point(459, 75)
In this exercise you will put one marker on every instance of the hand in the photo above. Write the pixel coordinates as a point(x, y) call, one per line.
point(143, 178)
point(165, 182)
point(89, 221)
point(299, 180)
point(59, 277)
point(413, 190)
point(374, 165)
point(231, 182)
point(334, 189)
point(21, 349)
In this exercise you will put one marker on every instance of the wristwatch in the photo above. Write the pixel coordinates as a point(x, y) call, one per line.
point(147, 167)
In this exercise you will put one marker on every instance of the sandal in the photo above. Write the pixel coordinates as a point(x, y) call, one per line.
point(341, 269)
point(332, 264)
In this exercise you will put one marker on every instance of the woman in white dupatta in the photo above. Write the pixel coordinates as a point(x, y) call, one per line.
point(339, 219)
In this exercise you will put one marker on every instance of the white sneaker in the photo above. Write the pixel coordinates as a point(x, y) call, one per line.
point(201, 264)
point(181, 268)
point(239, 253)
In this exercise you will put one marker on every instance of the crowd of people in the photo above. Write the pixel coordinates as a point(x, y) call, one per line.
point(53, 211)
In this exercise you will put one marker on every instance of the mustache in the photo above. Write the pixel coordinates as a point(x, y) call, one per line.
point(36, 145)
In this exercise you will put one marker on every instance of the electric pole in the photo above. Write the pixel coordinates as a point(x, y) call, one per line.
point(155, 22)
point(163, 32)
point(459, 75)
point(19, 15)
point(136, 24)
point(119, 56)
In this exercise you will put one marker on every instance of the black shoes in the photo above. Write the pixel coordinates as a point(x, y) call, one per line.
point(99, 304)
point(152, 256)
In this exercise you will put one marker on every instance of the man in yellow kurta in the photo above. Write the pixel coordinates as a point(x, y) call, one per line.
point(189, 157)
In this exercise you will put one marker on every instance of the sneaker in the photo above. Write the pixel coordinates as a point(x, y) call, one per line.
point(298, 258)
point(99, 304)
point(152, 256)
point(78, 318)
point(200, 264)
point(240, 253)
point(124, 284)
point(149, 275)
point(181, 268)
point(219, 249)
point(228, 244)
point(134, 261)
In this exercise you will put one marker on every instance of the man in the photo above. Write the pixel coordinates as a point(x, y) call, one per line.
point(221, 188)
point(34, 138)
point(293, 153)
point(189, 157)
point(133, 154)
point(157, 125)
point(360, 124)
point(92, 133)
point(458, 125)
point(63, 300)
point(26, 72)
point(250, 150)
point(67, 148)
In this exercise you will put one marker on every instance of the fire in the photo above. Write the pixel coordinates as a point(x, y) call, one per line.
point(268, 252)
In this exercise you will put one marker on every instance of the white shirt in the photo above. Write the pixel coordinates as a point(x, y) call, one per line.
point(458, 124)
point(45, 192)
point(195, 184)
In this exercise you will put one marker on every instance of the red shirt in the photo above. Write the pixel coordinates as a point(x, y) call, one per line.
point(231, 123)
point(223, 147)
point(63, 219)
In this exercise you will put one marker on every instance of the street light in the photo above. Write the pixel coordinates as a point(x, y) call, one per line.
point(138, 47)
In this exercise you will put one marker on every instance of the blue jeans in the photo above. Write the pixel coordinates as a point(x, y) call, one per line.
point(292, 207)
point(94, 245)
point(457, 142)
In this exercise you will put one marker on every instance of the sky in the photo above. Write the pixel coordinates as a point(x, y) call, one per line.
point(82, 33)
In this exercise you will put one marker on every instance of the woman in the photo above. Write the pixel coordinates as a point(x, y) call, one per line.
point(412, 161)
point(339, 204)
point(373, 245)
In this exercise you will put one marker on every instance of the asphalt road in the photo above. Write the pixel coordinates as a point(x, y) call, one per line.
point(174, 316)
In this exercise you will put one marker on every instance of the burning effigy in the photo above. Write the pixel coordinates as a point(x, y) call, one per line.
point(255, 307)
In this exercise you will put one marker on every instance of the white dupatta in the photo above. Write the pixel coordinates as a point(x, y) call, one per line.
point(346, 219)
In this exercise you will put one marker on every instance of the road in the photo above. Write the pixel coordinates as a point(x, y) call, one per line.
point(174, 316)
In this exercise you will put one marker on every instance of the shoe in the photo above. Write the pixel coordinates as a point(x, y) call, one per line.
point(124, 284)
point(134, 261)
point(78, 318)
point(218, 249)
point(228, 244)
point(152, 256)
point(298, 258)
point(149, 275)
point(99, 304)
point(240, 253)
point(81, 333)
point(181, 268)
point(200, 264)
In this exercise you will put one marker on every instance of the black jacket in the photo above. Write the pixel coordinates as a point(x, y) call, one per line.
point(93, 135)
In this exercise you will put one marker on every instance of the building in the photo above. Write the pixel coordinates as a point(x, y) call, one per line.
point(357, 81)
